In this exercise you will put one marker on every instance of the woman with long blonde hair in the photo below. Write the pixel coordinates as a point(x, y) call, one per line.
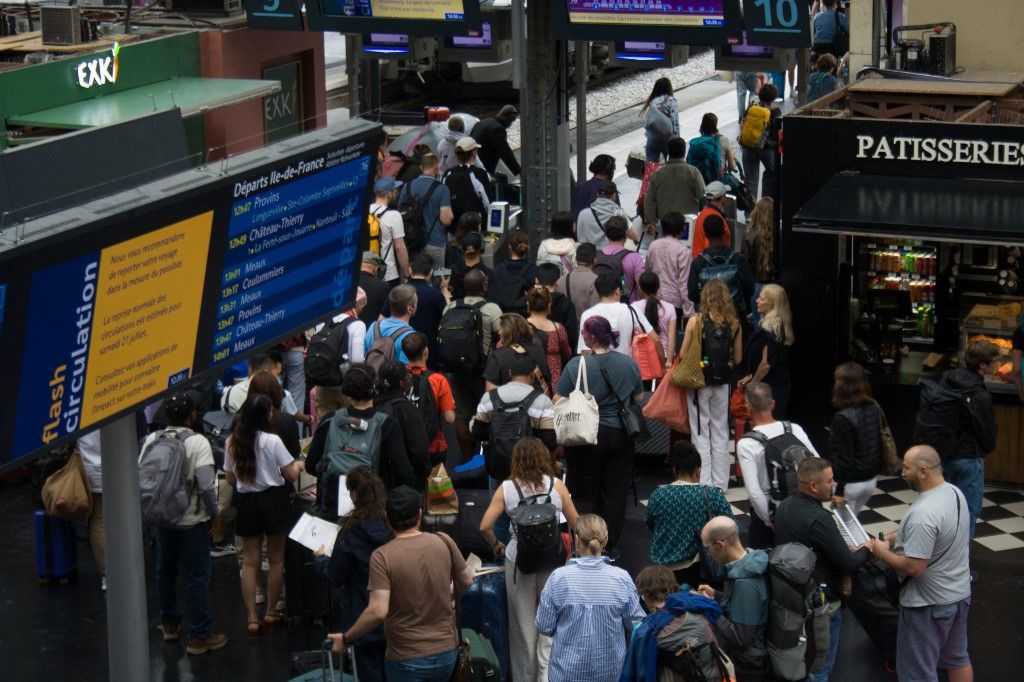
point(759, 246)
point(766, 358)
point(717, 329)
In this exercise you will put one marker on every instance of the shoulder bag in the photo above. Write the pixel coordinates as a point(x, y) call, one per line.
point(689, 374)
point(644, 351)
point(576, 415)
point(890, 463)
point(668, 406)
point(630, 414)
point(66, 492)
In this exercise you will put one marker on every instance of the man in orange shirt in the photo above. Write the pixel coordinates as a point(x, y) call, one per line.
point(715, 194)
point(415, 348)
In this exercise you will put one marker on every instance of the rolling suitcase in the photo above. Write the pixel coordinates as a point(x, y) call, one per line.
point(56, 552)
point(484, 609)
point(472, 506)
point(483, 656)
point(449, 524)
point(318, 666)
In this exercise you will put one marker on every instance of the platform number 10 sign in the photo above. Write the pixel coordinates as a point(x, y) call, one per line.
point(781, 23)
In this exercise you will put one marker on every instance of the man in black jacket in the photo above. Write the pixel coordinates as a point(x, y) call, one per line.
point(393, 381)
point(976, 431)
point(492, 134)
point(801, 518)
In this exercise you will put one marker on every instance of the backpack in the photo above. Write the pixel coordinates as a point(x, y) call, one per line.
point(464, 196)
point(727, 269)
point(790, 584)
point(716, 349)
point(421, 394)
point(327, 354)
point(657, 122)
point(162, 482)
point(782, 455)
point(612, 265)
point(510, 423)
point(705, 155)
point(688, 646)
point(412, 217)
point(938, 417)
point(383, 347)
point(538, 536)
point(460, 339)
point(351, 442)
point(373, 227)
point(508, 288)
point(840, 39)
point(754, 132)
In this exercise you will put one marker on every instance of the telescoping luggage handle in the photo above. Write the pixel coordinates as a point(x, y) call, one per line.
point(328, 669)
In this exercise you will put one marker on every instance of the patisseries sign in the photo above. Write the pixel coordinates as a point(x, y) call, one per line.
point(939, 150)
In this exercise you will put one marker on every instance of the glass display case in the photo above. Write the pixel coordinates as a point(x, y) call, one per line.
point(992, 318)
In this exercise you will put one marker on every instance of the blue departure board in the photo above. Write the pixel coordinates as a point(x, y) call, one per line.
point(292, 252)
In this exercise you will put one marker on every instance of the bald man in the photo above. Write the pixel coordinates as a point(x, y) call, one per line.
point(931, 549)
point(744, 597)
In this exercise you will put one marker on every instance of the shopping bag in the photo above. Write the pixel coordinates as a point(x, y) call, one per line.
point(441, 495)
point(576, 415)
point(66, 492)
point(689, 373)
point(668, 406)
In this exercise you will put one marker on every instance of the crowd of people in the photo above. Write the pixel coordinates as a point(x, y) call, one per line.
point(435, 337)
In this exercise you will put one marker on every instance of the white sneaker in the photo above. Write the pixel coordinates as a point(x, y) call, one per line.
point(261, 598)
point(217, 551)
point(103, 583)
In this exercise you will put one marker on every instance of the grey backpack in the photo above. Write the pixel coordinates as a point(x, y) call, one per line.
point(163, 485)
point(351, 442)
point(791, 634)
point(687, 646)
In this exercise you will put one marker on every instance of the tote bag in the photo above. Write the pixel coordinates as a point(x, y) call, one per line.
point(668, 406)
point(66, 493)
point(644, 351)
point(689, 373)
point(576, 416)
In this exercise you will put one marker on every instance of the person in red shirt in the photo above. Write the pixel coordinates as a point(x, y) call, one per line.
point(415, 348)
point(715, 194)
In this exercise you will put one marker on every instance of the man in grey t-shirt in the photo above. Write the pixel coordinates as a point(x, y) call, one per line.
point(931, 549)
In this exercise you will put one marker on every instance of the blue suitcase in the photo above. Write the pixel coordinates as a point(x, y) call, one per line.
point(484, 608)
point(56, 552)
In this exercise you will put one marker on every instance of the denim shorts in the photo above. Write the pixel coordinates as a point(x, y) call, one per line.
point(930, 638)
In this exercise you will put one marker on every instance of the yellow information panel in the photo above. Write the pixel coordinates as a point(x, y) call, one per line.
point(416, 9)
point(148, 300)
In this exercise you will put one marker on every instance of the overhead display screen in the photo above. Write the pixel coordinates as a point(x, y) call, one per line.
point(103, 319)
point(479, 39)
point(779, 23)
point(423, 17)
point(695, 21)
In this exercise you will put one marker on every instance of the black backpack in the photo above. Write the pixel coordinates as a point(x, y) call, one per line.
point(327, 354)
point(411, 208)
point(538, 536)
point(612, 265)
point(938, 416)
point(510, 423)
point(422, 396)
point(782, 455)
point(790, 634)
point(727, 269)
point(717, 353)
point(460, 339)
point(508, 287)
point(464, 196)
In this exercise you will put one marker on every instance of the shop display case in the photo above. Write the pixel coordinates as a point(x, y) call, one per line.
point(994, 319)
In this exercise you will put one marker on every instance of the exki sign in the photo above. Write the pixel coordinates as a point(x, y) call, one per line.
point(98, 70)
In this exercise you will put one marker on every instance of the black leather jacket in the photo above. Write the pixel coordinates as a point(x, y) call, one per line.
point(855, 445)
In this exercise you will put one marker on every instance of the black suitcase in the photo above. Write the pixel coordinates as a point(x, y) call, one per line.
point(472, 506)
point(448, 524)
point(873, 608)
point(309, 598)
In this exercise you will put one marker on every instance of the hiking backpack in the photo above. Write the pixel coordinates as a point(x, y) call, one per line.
point(460, 337)
point(791, 634)
point(327, 354)
point(613, 265)
point(782, 455)
point(508, 287)
point(373, 227)
point(510, 423)
point(383, 347)
point(687, 646)
point(938, 416)
point(716, 349)
point(754, 131)
point(421, 394)
point(350, 442)
point(411, 208)
point(464, 196)
point(705, 154)
point(163, 485)
point(539, 544)
point(727, 269)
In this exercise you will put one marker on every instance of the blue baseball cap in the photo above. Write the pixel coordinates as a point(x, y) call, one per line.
point(386, 184)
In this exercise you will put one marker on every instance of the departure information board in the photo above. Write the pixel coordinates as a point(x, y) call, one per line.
point(700, 22)
point(180, 280)
point(421, 17)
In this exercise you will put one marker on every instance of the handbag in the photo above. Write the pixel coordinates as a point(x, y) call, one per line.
point(576, 415)
point(709, 569)
point(890, 464)
point(668, 406)
point(689, 373)
point(658, 123)
point(463, 663)
point(738, 402)
point(66, 493)
point(441, 495)
point(644, 351)
point(630, 415)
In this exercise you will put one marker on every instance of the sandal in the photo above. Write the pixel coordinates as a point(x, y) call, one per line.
point(253, 628)
point(273, 619)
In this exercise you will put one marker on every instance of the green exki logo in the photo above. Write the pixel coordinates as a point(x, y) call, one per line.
point(100, 70)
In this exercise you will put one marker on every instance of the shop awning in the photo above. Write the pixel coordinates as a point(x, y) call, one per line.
point(192, 95)
point(936, 209)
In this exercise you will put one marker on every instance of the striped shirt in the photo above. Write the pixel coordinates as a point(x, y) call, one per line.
point(588, 606)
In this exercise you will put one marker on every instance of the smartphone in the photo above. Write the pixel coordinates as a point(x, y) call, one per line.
point(442, 272)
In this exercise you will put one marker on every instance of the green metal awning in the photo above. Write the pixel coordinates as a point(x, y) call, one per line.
point(192, 95)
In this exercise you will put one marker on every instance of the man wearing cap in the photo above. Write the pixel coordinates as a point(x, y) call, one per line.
point(591, 220)
point(374, 288)
point(715, 195)
point(676, 187)
point(410, 583)
point(467, 182)
point(392, 231)
point(186, 544)
point(492, 135)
